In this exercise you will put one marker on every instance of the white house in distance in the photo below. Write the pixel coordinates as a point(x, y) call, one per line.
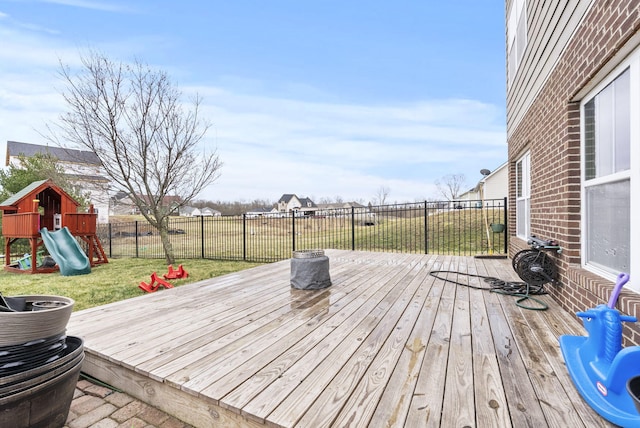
point(82, 167)
point(290, 202)
point(188, 211)
point(494, 185)
point(361, 212)
point(263, 212)
point(341, 208)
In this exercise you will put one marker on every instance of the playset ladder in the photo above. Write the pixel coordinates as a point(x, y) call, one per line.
point(95, 248)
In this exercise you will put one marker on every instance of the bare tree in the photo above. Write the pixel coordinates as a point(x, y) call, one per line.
point(450, 185)
point(148, 142)
point(381, 195)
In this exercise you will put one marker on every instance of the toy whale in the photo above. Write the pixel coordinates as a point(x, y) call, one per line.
point(598, 364)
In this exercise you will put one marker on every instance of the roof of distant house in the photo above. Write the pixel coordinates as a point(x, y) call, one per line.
point(187, 210)
point(260, 210)
point(167, 200)
point(286, 197)
point(306, 202)
point(211, 210)
point(88, 177)
point(15, 148)
point(341, 205)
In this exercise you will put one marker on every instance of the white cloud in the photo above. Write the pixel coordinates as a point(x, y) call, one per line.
point(96, 5)
point(274, 146)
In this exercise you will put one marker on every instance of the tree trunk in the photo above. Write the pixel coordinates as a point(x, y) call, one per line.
point(166, 244)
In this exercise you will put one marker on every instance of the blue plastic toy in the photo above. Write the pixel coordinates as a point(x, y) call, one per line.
point(599, 366)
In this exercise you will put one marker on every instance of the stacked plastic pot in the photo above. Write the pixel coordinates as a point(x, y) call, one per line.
point(39, 363)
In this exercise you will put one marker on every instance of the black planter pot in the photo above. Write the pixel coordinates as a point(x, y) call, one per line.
point(633, 388)
point(45, 405)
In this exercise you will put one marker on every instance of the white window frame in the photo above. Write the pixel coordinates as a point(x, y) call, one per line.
point(516, 37)
point(632, 62)
point(523, 196)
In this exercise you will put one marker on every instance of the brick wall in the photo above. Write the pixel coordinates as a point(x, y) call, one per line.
point(551, 131)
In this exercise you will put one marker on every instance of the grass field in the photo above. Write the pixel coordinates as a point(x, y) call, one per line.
point(116, 280)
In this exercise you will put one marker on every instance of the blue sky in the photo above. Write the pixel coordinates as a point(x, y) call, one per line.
point(321, 98)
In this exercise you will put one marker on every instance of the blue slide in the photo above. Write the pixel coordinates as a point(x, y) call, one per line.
point(66, 251)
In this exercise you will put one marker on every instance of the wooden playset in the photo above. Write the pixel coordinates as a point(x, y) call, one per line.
point(44, 205)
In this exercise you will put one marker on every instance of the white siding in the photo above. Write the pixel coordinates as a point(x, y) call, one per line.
point(550, 27)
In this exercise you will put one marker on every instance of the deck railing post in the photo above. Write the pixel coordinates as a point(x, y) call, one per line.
point(353, 229)
point(136, 240)
point(293, 230)
point(110, 240)
point(506, 228)
point(244, 236)
point(426, 229)
point(202, 236)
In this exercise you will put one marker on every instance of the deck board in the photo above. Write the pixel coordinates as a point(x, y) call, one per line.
point(490, 400)
point(387, 345)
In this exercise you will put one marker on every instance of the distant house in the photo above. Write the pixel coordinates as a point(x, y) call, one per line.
point(290, 202)
point(260, 212)
point(495, 185)
point(361, 213)
point(188, 211)
point(82, 167)
point(340, 208)
point(209, 212)
point(122, 204)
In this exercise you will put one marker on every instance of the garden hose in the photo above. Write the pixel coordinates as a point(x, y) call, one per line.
point(522, 290)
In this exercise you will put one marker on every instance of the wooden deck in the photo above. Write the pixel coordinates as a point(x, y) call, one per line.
point(386, 345)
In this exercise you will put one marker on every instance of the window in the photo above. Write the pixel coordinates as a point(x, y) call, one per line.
point(516, 37)
point(523, 196)
point(610, 172)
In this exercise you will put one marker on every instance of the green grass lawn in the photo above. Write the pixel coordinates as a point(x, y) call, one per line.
point(116, 280)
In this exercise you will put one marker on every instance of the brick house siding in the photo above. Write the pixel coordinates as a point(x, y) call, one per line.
point(550, 130)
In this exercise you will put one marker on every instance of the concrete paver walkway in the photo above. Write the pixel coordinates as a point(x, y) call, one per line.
point(95, 406)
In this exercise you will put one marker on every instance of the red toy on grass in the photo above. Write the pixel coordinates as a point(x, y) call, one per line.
point(176, 273)
point(155, 284)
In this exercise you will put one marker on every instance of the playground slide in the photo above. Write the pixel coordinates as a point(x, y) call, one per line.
point(66, 251)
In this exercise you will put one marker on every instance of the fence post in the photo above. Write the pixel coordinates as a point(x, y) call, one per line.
point(426, 229)
point(293, 230)
point(244, 236)
point(202, 236)
point(506, 229)
point(136, 231)
point(110, 241)
point(353, 229)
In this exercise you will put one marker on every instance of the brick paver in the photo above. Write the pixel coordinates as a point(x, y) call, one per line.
point(88, 419)
point(118, 399)
point(105, 423)
point(153, 416)
point(127, 412)
point(96, 406)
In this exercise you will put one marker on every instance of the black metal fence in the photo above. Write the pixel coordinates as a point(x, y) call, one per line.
point(456, 228)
